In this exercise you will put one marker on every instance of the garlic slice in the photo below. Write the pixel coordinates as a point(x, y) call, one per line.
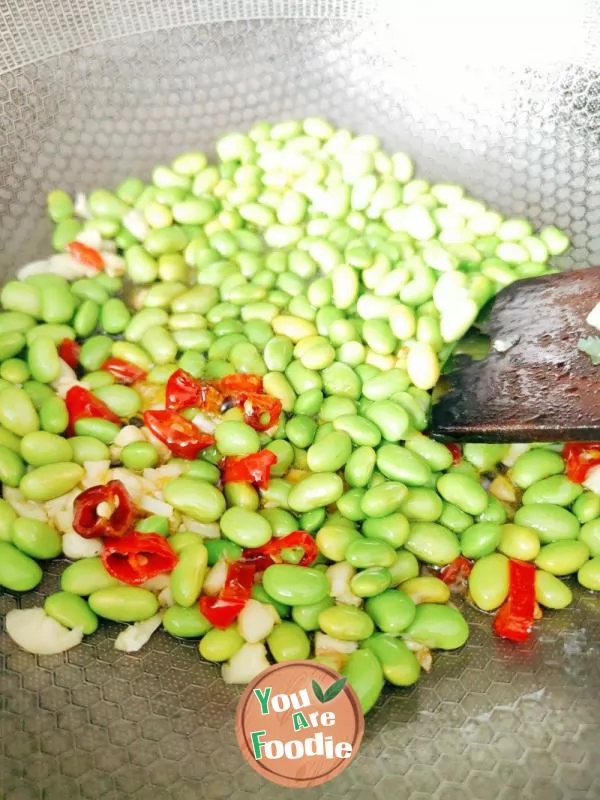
point(34, 631)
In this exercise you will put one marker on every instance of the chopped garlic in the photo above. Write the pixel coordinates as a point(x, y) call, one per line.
point(130, 481)
point(96, 473)
point(135, 222)
point(249, 661)
point(157, 583)
point(154, 506)
point(81, 208)
point(128, 435)
point(208, 530)
point(593, 318)
point(339, 576)
point(514, 451)
point(165, 598)
point(205, 423)
point(135, 636)
point(215, 578)
point(66, 379)
point(114, 265)
point(33, 630)
point(502, 489)
point(592, 480)
point(256, 621)
point(325, 645)
point(23, 507)
point(75, 546)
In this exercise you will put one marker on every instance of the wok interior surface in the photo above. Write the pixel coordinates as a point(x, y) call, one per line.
point(92, 92)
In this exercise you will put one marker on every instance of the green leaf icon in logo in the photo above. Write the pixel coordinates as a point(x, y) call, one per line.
point(330, 693)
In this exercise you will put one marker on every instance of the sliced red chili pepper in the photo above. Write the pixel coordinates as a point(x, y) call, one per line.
point(124, 371)
point(514, 619)
point(136, 557)
point(240, 383)
point(459, 568)
point(89, 523)
point(69, 351)
point(86, 255)
point(255, 468)
point(81, 404)
point(455, 450)
point(223, 610)
point(271, 553)
point(184, 391)
point(580, 457)
point(180, 435)
point(255, 406)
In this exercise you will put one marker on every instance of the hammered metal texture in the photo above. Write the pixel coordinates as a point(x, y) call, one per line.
point(510, 111)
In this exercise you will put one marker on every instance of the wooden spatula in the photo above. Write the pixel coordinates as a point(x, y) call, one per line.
point(534, 384)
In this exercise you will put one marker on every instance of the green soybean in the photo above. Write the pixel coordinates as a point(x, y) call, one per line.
point(185, 623)
point(12, 467)
point(86, 448)
point(72, 611)
point(590, 535)
point(588, 574)
point(333, 541)
point(288, 642)
point(551, 522)
point(330, 453)
point(236, 439)
point(123, 603)
point(422, 505)
point(432, 543)
point(188, 575)
point(98, 428)
point(86, 577)
point(438, 627)
point(295, 586)
point(195, 498)
point(562, 557)
point(220, 645)
point(245, 528)
point(18, 572)
point(347, 623)
point(587, 507)
point(17, 412)
point(480, 539)
point(35, 538)
point(519, 542)
point(489, 581)
point(365, 675)
point(139, 456)
point(363, 553)
point(371, 581)
point(54, 417)
point(534, 465)
point(50, 481)
point(359, 467)
point(7, 517)
point(550, 591)
point(557, 490)
point(154, 524)
point(122, 400)
point(463, 492)
point(399, 664)
point(393, 529)
point(307, 616)
point(315, 491)
point(401, 465)
point(392, 611)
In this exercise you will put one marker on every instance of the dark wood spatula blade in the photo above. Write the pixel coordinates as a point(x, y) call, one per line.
point(541, 388)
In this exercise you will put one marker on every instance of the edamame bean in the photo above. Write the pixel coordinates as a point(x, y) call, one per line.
point(7, 517)
point(463, 492)
point(426, 589)
point(400, 464)
point(587, 507)
point(288, 642)
point(484, 457)
point(188, 576)
point(437, 627)
point(54, 417)
point(139, 456)
point(185, 623)
point(359, 467)
point(383, 500)
point(494, 512)
point(534, 465)
point(295, 586)
point(517, 541)
point(17, 412)
point(550, 591)
point(422, 505)
point(563, 557)
point(50, 481)
point(371, 581)
point(489, 581)
point(588, 574)
point(307, 617)
point(330, 453)
point(480, 539)
point(557, 490)
point(154, 524)
point(245, 528)
point(432, 543)
point(404, 567)
point(72, 611)
point(400, 665)
point(122, 400)
point(35, 538)
point(197, 499)
point(86, 577)
point(98, 428)
point(43, 360)
point(333, 541)
point(362, 431)
point(236, 438)
point(12, 467)
point(316, 491)
point(220, 645)
point(365, 676)
point(18, 572)
point(393, 529)
point(551, 522)
point(347, 623)
point(123, 603)
point(363, 553)
point(392, 611)
point(86, 448)
point(590, 535)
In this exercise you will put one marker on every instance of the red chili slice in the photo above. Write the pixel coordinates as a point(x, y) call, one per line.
point(271, 553)
point(580, 457)
point(255, 406)
point(455, 450)
point(184, 391)
point(223, 610)
point(136, 557)
point(124, 371)
point(81, 404)
point(69, 351)
point(86, 255)
point(240, 383)
point(459, 568)
point(180, 435)
point(514, 620)
point(89, 524)
point(255, 468)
